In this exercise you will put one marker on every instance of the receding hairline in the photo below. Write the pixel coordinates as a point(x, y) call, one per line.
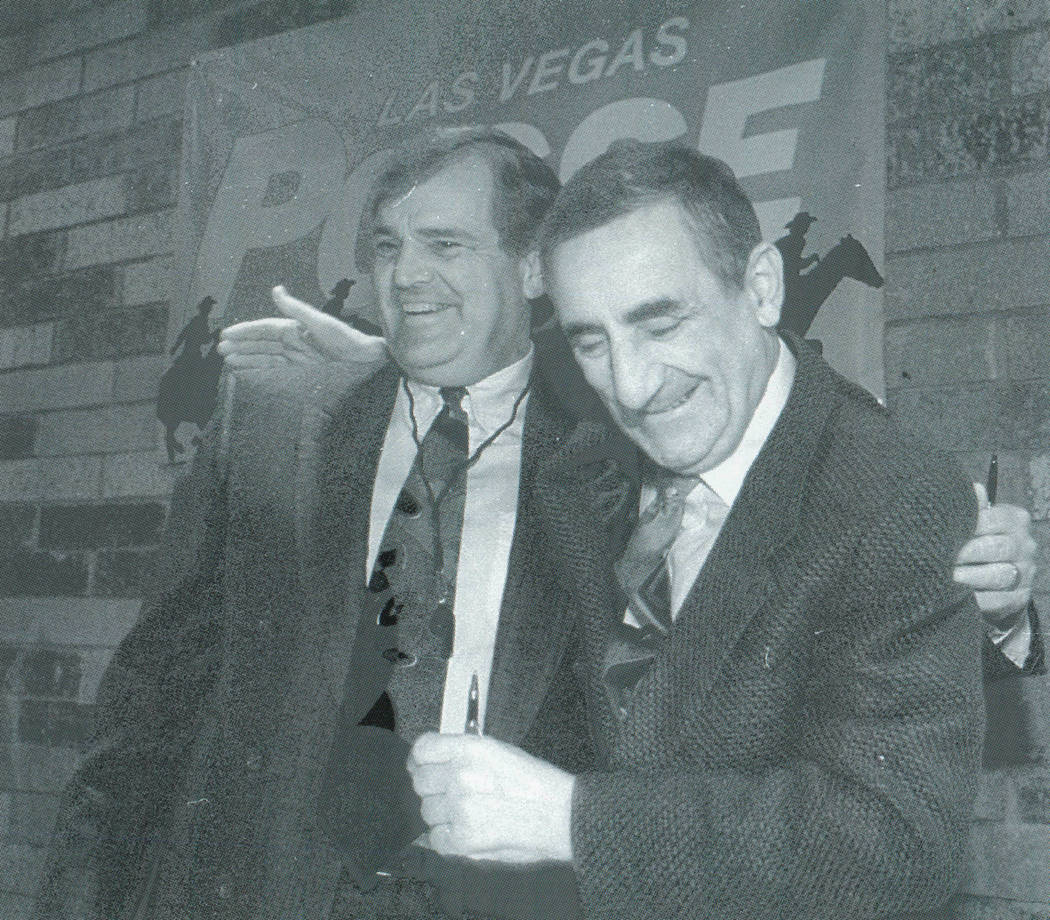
point(633, 174)
point(701, 241)
point(516, 184)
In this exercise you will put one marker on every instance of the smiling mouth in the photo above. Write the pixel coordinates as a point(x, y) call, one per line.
point(423, 308)
point(662, 408)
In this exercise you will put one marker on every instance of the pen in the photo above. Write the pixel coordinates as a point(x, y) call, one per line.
point(993, 479)
point(473, 726)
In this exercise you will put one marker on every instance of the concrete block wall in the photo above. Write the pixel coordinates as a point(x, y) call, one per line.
point(967, 340)
point(91, 98)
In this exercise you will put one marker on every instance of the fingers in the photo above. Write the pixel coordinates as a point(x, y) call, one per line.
point(485, 799)
point(1003, 519)
point(237, 362)
point(451, 779)
point(992, 547)
point(433, 747)
point(995, 576)
point(300, 310)
point(301, 335)
point(334, 339)
point(256, 347)
point(472, 825)
point(435, 810)
point(1002, 608)
point(271, 342)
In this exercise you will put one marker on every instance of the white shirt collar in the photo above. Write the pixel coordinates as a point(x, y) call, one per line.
point(726, 478)
point(488, 402)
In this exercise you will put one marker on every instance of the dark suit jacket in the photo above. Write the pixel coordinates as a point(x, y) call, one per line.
point(217, 712)
point(806, 743)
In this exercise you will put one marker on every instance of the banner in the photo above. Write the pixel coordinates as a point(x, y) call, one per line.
point(285, 135)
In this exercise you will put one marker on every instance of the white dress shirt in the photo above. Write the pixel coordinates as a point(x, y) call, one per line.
point(707, 505)
point(489, 515)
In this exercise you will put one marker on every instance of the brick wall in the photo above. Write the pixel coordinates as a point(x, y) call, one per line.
point(90, 130)
point(90, 136)
point(968, 332)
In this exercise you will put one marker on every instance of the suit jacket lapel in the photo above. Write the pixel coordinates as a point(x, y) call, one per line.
point(739, 572)
point(591, 502)
point(531, 634)
point(342, 434)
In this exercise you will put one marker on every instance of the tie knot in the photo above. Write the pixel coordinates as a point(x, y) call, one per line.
point(453, 399)
point(678, 487)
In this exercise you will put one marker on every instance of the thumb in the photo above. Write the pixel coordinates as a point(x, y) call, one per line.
point(293, 307)
point(982, 495)
point(334, 339)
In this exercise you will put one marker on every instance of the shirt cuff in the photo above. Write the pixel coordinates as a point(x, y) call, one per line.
point(1015, 643)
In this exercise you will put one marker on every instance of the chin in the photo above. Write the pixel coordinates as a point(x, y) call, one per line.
point(422, 360)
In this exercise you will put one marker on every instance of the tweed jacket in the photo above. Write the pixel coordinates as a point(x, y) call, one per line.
point(806, 742)
point(216, 714)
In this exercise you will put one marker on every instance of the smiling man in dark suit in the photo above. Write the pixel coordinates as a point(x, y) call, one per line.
point(357, 553)
point(784, 681)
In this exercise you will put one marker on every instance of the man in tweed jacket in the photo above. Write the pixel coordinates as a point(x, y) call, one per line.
point(804, 740)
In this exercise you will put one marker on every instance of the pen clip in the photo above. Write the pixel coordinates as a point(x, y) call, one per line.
point(473, 724)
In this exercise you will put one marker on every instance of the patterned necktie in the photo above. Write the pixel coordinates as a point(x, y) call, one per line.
point(366, 804)
point(642, 569)
point(643, 574)
point(418, 558)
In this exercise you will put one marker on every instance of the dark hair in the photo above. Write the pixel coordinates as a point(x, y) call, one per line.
point(523, 186)
point(632, 174)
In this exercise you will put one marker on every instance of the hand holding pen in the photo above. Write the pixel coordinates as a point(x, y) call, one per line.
point(999, 562)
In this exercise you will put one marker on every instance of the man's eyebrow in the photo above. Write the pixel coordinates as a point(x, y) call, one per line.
point(456, 233)
point(435, 232)
point(570, 330)
point(653, 309)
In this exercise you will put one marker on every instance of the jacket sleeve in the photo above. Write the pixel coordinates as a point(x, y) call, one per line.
point(148, 704)
point(865, 812)
point(997, 665)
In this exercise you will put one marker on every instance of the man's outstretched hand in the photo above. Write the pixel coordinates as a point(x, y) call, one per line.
point(301, 334)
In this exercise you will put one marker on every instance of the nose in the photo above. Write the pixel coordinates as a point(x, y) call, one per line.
point(411, 267)
point(635, 379)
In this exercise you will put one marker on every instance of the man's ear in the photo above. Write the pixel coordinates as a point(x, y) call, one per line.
point(531, 276)
point(764, 281)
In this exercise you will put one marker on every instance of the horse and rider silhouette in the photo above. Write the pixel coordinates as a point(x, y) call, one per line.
point(806, 291)
point(189, 389)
